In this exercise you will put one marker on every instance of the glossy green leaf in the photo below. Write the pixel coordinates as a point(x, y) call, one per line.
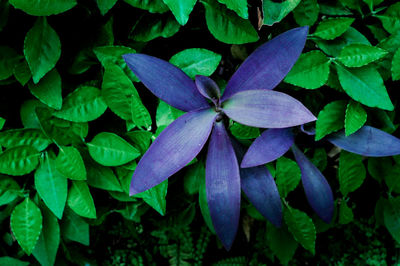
point(109, 149)
point(48, 90)
point(275, 11)
point(51, 186)
point(345, 213)
point(181, 9)
point(330, 119)
point(102, 177)
point(9, 261)
point(351, 172)
point(19, 160)
point(306, 12)
point(355, 117)
point(244, 132)
point(302, 228)
point(332, 28)
point(22, 73)
point(70, 164)
point(311, 71)
point(150, 27)
point(8, 59)
point(155, 197)
point(105, 5)
point(80, 200)
point(391, 216)
point(396, 65)
point(42, 48)
point(30, 137)
point(239, 6)
point(43, 7)
point(153, 6)
point(82, 105)
point(287, 175)
point(196, 61)
point(26, 224)
point(9, 190)
point(365, 85)
point(281, 243)
point(226, 26)
point(391, 18)
point(74, 228)
point(357, 55)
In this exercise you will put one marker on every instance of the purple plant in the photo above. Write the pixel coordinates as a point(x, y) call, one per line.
point(247, 99)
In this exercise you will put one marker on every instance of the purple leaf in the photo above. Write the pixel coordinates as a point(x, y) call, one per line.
point(260, 188)
point(223, 185)
point(317, 189)
point(208, 88)
point(268, 147)
point(266, 109)
point(176, 146)
point(367, 141)
point(166, 81)
point(269, 64)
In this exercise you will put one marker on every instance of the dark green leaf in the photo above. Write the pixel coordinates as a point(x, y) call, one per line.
point(74, 228)
point(28, 113)
point(391, 215)
point(22, 73)
point(8, 59)
point(9, 190)
point(345, 213)
point(155, 197)
point(150, 27)
point(193, 176)
point(140, 139)
point(281, 243)
point(391, 18)
point(306, 12)
point(351, 172)
point(9, 261)
point(396, 65)
point(239, 6)
point(355, 118)
point(43, 7)
point(288, 176)
point(102, 177)
point(330, 119)
point(48, 90)
point(105, 5)
point(205, 211)
point(153, 6)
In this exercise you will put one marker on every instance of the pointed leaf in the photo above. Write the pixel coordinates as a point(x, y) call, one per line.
point(9, 261)
point(102, 177)
point(317, 189)
point(356, 117)
point(332, 28)
point(288, 176)
point(351, 172)
point(275, 11)
point(239, 6)
point(105, 5)
point(155, 197)
point(22, 73)
point(268, 65)
point(281, 243)
point(70, 164)
point(244, 132)
point(306, 12)
point(30, 137)
point(391, 18)
point(367, 141)
point(271, 145)
point(330, 119)
point(75, 228)
point(266, 109)
point(153, 6)
point(43, 7)
point(166, 114)
point(181, 9)
point(80, 200)
point(208, 88)
point(19, 160)
point(357, 54)
point(223, 185)
point(48, 90)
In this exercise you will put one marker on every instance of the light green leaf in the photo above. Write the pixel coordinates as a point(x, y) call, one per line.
point(80, 200)
point(9, 190)
point(332, 28)
point(155, 197)
point(105, 5)
point(19, 160)
point(196, 61)
point(391, 18)
point(244, 132)
point(166, 114)
point(9, 261)
point(102, 177)
point(109, 149)
point(239, 6)
point(288, 176)
point(181, 9)
point(330, 119)
point(48, 90)
point(365, 85)
point(8, 59)
point(281, 243)
point(226, 26)
point(357, 55)
point(351, 172)
point(74, 228)
point(396, 65)
point(306, 12)
point(345, 213)
point(82, 105)
point(153, 6)
point(22, 73)
point(70, 164)
point(311, 71)
point(47, 246)
point(150, 27)
point(26, 224)
point(43, 7)
point(302, 228)
point(276, 11)
point(42, 48)
point(30, 137)
point(391, 216)
point(51, 186)
point(355, 118)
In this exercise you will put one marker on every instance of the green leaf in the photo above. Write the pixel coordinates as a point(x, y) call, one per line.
point(42, 48)
point(9, 190)
point(281, 243)
point(365, 85)
point(311, 71)
point(355, 118)
point(302, 228)
point(155, 197)
point(22, 73)
point(288, 176)
point(357, 55)
point(330, 119)
point(74, 228)
point(392, 178)
point(102, 177)
point(396, 65)
point(320, 159)
point(82, 105)
point(244, 132)
point(9, 261)
point(391, 216)
point(153, 6)
point(105, 5)
point(226, 26)
point(181, 9)
point(70, 164)
point(306, 12)
point(80, 200)
point(141, 140)
point(196, 61)
point(150, 27)
point(43, 7)
point(19, 160)
point(48, 90)
point(109, 149)
point(205, 211)
point(28, 113)
point(345, 213)
point(193, 176)
point(30, 137)
point(8, 59)
point(351, 172)
point(26, 224)
point(51, 186)
point(274, 12)
point(4, 12)
point(166, 114)
point(391, 18)
point(332, 28)
point(239, 6)
point(140, 116)
point(47, 246)
point(379, 167)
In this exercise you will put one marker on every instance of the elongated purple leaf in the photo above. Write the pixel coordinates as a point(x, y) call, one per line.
point(166, 81)
point(317, 189)
point(223, 185)
point(266, 109)
point(259, 186)
point(268, 147)
point(208, 88)
point(176, 146)
point(367, 141)
point(269, 64)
